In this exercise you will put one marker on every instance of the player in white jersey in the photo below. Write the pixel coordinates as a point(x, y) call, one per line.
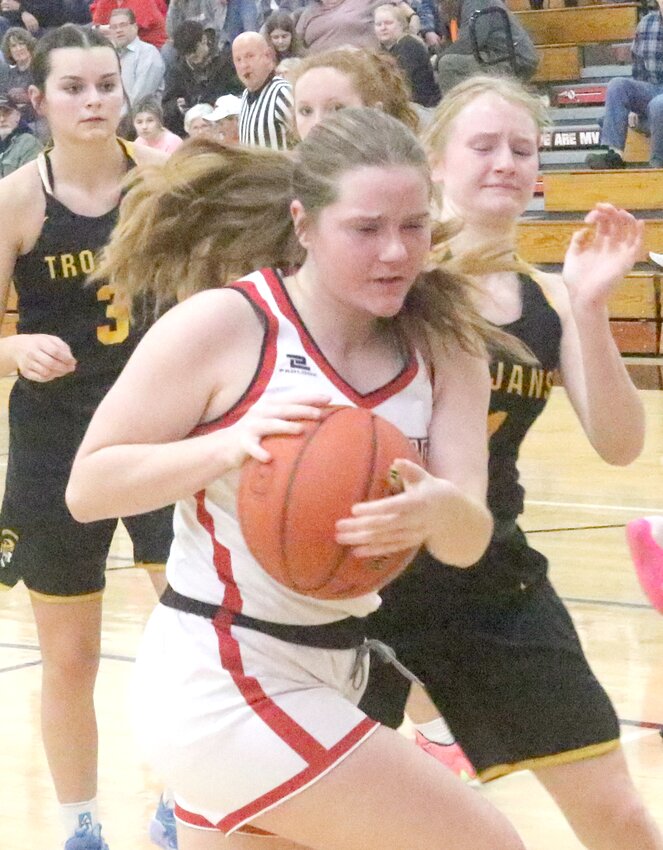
point(246, 692)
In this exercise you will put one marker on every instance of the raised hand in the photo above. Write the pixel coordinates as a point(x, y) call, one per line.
point(601, 254)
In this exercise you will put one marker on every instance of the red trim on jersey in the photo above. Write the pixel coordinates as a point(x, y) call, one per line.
point(264, 370)
point(369, 400)
point(232, 599)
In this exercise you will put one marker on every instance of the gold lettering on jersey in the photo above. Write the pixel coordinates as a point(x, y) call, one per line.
point(516, 380)
point(65, 266)
point(522, 380)
point(498, 377)
point(536, 383)
point(495, 421)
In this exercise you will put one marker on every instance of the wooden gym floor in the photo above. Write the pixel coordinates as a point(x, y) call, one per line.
point(575, 514)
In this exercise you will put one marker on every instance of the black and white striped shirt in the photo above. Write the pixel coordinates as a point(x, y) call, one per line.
point(264, 115)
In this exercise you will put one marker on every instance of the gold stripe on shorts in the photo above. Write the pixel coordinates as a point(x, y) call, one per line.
point(59, 600)
point(150, 566)
point(566, 757)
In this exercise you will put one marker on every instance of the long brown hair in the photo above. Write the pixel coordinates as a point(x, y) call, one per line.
point(213, 213)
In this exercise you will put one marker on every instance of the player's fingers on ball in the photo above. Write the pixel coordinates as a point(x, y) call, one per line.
point(382, 520)
point(267, 427)
point(299, 411)
point(255, 450)
point(379, 551)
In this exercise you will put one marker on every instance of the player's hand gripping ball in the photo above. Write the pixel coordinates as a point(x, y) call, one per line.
point(288, 508)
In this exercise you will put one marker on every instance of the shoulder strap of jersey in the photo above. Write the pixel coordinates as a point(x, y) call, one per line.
point(128, 148)
point(43, 167)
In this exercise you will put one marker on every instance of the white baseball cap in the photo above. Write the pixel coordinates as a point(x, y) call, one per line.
point(224, 106)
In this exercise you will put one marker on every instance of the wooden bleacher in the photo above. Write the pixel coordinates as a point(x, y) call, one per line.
point(573, 191)
point(567, 39)
point(558, 63)
point(545, 242)
point(582, 24)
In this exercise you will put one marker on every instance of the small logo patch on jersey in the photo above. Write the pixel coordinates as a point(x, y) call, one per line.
point(297, 364)
point(8, 541)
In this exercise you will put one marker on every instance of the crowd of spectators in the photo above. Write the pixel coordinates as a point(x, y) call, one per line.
point(190, 67)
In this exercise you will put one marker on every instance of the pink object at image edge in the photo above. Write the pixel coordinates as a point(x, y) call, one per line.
point(647, 558)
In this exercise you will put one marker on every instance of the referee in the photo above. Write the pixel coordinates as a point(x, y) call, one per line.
point(264, 114)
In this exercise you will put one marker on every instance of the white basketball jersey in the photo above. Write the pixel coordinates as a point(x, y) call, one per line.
point(209, 559)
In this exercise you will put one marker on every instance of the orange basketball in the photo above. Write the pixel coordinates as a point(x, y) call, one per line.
point(288, 508)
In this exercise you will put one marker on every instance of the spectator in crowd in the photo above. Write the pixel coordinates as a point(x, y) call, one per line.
point(264, 115)
point(433, 22)
point(287, 68)
point(391, 31)
point(199, 75)
point(210, 13)
point(17, 143)
point(457, 61)
point(280, 32)
point(327, 24)
point(148, 123)
point(39, 15)
point(642, 93)
point(195, 124)
point(141, 63)
point(242, 16)
point(149, 17)
point(18, 47)
point(225, 118)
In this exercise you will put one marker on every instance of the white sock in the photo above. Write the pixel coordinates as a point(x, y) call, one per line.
point(168, 797)
point(436, 731)
point(78, 815)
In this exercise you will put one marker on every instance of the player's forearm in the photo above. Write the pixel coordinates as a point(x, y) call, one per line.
point(131, 479)
point(615, 421)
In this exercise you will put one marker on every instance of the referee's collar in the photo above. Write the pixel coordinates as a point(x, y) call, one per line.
point(252, 96)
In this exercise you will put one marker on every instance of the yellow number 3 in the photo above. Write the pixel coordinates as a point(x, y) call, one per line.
point(108, 334)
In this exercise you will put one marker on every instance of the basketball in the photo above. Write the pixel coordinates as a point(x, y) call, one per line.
point(288, 508)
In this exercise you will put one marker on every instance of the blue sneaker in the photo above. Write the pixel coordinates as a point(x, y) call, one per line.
point(86, 839)
point(162, 827)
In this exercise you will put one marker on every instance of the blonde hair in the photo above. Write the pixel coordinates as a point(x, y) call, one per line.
point(398, 12)
point(437, 134)
point(211, 214)
point(375, 77)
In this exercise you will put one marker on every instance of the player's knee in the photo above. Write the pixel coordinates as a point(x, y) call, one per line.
point(75, 663)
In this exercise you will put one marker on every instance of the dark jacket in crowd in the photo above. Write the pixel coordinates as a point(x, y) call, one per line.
point(197, 85)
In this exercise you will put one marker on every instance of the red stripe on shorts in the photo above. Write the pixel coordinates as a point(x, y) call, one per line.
point(296, 783)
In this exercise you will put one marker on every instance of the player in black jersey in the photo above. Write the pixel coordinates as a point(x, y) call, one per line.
point(494, 645)
point(72, 342)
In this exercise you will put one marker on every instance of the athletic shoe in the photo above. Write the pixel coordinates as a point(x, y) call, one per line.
point(609, 159)
point(643, 536)
point(451, 756)
point(162, 827)
point(86, 839)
